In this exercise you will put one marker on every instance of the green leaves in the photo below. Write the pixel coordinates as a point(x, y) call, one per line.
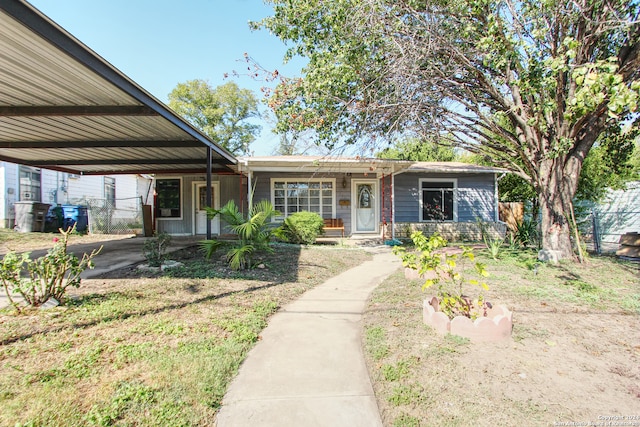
point(446, 269)
point(254, 232)
point(48, 276)
point(219, 112)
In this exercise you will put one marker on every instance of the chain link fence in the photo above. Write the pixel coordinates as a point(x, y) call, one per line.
point(119, 216)
point(602, 229)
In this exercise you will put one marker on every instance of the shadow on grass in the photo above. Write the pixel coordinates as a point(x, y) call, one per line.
point(100, 298)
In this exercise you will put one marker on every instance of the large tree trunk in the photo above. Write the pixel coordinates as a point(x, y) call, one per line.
point(557, 188)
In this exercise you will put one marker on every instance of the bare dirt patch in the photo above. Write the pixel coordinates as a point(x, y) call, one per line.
point(574, 354)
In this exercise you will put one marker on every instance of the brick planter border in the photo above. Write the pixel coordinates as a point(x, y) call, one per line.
point(495, 326)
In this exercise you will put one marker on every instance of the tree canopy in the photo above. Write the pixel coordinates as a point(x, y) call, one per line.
point(418, 150)
point(222, 113)
point(532, 84)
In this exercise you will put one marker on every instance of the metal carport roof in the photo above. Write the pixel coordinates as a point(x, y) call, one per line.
point(65, 108)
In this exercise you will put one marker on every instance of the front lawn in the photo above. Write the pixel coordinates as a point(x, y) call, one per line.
point(574, 354)
point(149, 351)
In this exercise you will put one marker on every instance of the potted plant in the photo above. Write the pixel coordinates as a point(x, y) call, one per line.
point(451, 310)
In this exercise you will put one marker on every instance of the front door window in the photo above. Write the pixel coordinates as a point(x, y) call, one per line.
point(365, 207)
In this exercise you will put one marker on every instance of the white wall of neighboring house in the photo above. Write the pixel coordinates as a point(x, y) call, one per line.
point(60, 188)
point(619, 212)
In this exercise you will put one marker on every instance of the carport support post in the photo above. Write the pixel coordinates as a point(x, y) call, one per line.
point(209, 195)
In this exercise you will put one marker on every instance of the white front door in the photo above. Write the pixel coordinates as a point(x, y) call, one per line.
point(364, 199)
point(200, 201)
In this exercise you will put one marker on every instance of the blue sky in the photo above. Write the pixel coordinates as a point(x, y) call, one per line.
point(160, 43)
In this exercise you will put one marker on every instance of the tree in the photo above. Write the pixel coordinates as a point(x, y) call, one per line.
point(609, 164)
point(531, 84)
point(419, 151)
point(221, 113)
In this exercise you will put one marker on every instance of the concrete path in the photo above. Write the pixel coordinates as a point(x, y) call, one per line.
point(309, 370)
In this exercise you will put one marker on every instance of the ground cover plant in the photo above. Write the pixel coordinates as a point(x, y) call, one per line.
point(574, 354)
point(150, 351)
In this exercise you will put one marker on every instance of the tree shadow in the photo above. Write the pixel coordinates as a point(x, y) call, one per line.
point(101, 298)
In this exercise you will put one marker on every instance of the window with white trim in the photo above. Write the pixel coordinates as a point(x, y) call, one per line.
point(438, 200)
point(291, 196)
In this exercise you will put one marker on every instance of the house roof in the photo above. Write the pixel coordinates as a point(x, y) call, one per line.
point(320, 163)
point(452, 167)
point(65, 108)
point(355, 164)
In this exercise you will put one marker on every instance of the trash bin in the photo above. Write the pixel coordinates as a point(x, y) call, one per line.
point(75, 215)
point(54, 219)
point(30, 216)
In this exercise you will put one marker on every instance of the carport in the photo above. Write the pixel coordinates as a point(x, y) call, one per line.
point(64, 108)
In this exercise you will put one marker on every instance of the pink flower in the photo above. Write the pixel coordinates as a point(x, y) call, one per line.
point(55, 240)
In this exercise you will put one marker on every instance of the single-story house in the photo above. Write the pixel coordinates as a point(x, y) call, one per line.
point(64, 108)
point(375, 197)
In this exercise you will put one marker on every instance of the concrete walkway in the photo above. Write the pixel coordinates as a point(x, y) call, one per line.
point(308, 369)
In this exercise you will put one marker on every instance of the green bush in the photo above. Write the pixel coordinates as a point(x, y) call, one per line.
point(254, 232)
point(46, 277)
point(301, 227)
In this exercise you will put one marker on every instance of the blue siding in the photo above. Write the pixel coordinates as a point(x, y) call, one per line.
point(229, 190)
point(475, 196)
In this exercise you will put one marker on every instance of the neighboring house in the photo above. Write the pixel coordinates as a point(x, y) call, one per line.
point(370, 196)
point(123, 193)
point(619, 213)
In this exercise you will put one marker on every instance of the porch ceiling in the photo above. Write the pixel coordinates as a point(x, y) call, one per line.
point(65, 108)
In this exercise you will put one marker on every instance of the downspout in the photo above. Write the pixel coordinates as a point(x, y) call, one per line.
point(209, 194)
point(384, 222)
point(249, 189)
point(393, 201)
point(497, 178)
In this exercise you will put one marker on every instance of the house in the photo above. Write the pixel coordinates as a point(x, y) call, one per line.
point(618, 213)
point(65, 109)
point(372, 197)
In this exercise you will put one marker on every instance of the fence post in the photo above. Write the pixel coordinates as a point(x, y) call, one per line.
point(596, 231)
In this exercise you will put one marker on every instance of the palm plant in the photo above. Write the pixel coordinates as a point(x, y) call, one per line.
point(254, 232)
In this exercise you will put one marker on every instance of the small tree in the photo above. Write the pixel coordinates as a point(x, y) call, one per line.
point(446, 271)
point(254, 232)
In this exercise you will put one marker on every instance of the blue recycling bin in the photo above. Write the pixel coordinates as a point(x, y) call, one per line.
point(77, 215)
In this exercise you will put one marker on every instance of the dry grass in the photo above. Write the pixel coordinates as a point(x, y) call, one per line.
point(152, 351)
point(22, 242)
point(574, 354)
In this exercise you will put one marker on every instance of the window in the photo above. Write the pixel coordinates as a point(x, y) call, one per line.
point(290, 197)
point(168, 198)
point(110, 190)
point(437, 200)
point(30, 184)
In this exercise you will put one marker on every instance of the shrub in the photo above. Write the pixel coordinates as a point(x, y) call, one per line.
point(48, 276)
point(526, 233)
point(301, 227)
point(447, 274)
point(155, 249)
point(254, 232)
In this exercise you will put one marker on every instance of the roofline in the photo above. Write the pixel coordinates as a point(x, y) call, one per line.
point(46, 28)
